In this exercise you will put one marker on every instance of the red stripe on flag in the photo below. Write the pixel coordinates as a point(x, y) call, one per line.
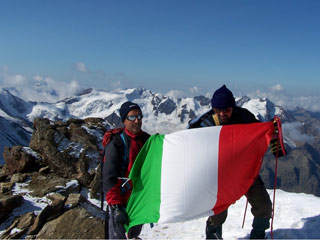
point(241, 148)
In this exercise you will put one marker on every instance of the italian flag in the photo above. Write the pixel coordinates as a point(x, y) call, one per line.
point(196, 172)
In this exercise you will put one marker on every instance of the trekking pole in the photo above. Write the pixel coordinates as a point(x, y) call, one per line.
point(245, 213)
point(106, 223)
point(101, 188)
point(279, 143)
point(274, 192)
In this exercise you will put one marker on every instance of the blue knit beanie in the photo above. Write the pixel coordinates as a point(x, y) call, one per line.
point(126, 108)
point(222, 98)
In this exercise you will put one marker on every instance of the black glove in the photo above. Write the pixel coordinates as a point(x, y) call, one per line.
point(119, 214)
point(275, 142)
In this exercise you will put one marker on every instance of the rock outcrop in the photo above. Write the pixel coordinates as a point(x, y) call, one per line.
point(59, 171)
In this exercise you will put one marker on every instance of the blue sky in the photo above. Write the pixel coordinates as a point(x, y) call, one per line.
point(164, 45)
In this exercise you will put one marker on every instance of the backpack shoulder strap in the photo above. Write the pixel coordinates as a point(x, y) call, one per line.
point(125, 156)
point(216, 119)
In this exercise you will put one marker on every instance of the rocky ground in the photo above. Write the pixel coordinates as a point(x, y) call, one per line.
point(60, 168)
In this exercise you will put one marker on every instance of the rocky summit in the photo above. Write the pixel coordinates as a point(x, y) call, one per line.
point(60, 168)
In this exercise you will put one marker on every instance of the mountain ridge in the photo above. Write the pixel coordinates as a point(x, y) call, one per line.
point(60, 167)
point(163, 114)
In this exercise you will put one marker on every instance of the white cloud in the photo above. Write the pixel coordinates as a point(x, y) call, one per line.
point(209, 94)
point(280, 97)
point(37, 88)
point(292, 131)
point(116, 84)
point(195, 90)
point(277, 87)
point(15, 80)
point(40, 88)
point(81, 67)
point(175, 94)
point(38, 78)
point(191, 92)
point(118, 80)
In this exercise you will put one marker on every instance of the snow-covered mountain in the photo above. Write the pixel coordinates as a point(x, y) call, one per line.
point(157, 108)
point(296, 214)
point(15, 127)
point(300, 170)
point(162, 114)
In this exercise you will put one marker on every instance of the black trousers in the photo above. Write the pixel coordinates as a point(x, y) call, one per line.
point(258, 197)
point(115, 230)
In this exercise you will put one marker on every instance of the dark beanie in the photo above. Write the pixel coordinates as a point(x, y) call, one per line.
point(222, 98)
point(126, 108)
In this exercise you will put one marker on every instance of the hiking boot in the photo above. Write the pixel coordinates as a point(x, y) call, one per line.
point(214, 232)
point(256, 234)
point(259, 227)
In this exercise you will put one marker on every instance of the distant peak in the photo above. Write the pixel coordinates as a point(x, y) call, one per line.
point(84, 91)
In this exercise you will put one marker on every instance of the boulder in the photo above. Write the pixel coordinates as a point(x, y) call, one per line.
point(74, 200)
point(40, 185)
point(56, 197)
point(48, 213)
point(80, 135)
point(95, 185)
point(19, 161)
point(96, 123)
point(51, 144)
point(19, 227)
point(18, 178)
point(7, 204)
point(3, 173)
point(6, 187)
point(83, 222)
point(70, 149)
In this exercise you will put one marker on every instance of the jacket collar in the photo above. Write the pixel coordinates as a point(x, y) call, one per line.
point(133, 135)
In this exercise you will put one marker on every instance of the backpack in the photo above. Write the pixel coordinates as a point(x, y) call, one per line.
point(106, 139)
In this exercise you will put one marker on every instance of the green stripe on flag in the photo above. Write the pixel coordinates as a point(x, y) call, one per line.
point(144, 202)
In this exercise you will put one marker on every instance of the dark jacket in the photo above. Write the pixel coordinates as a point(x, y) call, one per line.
point(113, 166)
point(239, 116)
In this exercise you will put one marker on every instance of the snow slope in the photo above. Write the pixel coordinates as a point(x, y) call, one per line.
point(297, 216)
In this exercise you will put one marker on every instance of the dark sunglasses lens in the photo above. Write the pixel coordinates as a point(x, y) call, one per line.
point(133, 117)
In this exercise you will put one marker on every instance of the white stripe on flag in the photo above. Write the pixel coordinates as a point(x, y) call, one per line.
point(188, 185)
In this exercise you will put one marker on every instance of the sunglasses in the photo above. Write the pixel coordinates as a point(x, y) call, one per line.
point(220, 110)
point(134, 117)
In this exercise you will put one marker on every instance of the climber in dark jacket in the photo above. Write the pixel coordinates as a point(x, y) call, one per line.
point(116, 170)
point(225, 112)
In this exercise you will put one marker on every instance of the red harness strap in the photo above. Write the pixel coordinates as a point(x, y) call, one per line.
point(279, 142)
